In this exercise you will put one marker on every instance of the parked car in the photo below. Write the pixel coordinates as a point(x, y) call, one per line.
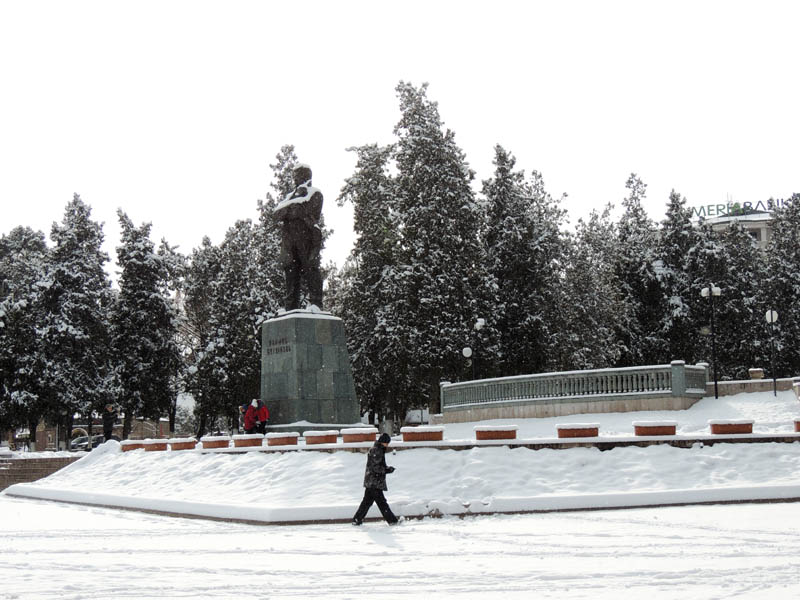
point(79, 443)
point(82, 442)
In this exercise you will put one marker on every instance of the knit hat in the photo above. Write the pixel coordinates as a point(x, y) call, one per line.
point(254, 404)
point(385, 438)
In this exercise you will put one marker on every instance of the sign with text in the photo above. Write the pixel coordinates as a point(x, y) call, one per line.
point(732, 209)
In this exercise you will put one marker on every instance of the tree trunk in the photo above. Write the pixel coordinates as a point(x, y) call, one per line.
point(171, 413)
point(89, 429)
point(127, 424)
point(201, 427)
point(32, 425)
point(68, 422)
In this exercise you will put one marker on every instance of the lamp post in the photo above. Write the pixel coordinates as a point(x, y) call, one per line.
point(709, 292)
point(772, 318)
point(467, 352)
point(479, 324)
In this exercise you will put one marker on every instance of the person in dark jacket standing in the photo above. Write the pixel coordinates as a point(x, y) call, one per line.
point(375, 482)
point(109, 418)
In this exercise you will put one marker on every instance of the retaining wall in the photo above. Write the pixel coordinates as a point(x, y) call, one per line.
point(25, 470)
point(730, 388)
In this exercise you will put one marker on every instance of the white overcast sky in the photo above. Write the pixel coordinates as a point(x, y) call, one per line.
point(173, 110)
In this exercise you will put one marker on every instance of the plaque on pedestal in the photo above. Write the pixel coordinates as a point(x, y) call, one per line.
point(305, 370)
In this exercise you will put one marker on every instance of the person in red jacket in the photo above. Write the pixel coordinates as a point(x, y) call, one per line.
point(256, 417)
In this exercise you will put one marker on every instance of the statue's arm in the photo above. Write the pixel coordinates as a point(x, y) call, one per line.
point(314, 212)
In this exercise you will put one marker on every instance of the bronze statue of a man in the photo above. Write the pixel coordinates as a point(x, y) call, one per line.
point(299, 212)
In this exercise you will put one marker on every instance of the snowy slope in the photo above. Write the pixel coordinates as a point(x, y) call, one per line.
point(303, 486)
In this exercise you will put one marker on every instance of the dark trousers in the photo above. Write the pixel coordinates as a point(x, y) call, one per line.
point(300, 260)
point(374, 495)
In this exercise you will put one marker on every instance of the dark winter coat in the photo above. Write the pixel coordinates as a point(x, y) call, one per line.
point(375, 475)
point(109, 418)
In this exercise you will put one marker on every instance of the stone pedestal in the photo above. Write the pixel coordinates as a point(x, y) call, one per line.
point(305, 370)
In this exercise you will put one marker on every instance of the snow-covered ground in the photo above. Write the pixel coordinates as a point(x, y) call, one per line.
point(65, 552)
point(715, 551)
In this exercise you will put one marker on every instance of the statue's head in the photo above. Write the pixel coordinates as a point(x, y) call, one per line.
point(301, 173)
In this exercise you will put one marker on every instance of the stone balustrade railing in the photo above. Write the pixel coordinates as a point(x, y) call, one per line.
point(637, 388)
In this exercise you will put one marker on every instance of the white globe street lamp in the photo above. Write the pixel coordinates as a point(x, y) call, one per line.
point(772, 317)
point(709, 292)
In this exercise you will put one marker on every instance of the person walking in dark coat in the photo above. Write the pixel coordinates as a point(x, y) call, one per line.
point(109, 418)
point(375, 482)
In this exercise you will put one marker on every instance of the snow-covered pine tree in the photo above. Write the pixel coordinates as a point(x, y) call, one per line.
point(444, 286)
point(237, 317)
point(175, 264)
point(205, 373)
point(368, 284)
point(783, 286)
point(23, 257)
point(706, 266)
point(76, 297)
point(742, 336)
point(143, 329)
point(228, 297)
point(590, 306)
point(642, 296)
point(679, 324)
point(525, 248)
point(271, 283)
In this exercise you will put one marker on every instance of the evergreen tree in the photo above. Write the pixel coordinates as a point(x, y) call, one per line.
point(643, 298)
point(741, 324)
point(23, 257)
point(368, 285)
point(677, 237)
point(205, 372)
point(228, 297)
point(76, 297)
point(783, 286)
point(238, 317)
point(706, 266)
point(443, 283)
point(271, 282)
point(590, 304)
point(175, 264)
point(731, 261)
point(525, 252)
point(144, 329)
